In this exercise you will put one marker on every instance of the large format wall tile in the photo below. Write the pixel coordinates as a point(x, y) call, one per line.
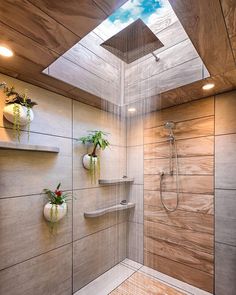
point(183, 219)
point(95, 254)
point(187, 111)
point(183, 130)
point(192, 165)
point(25, 232)
point(225, 217)
point(92, 199)
point(192, 276)
point(193, 147)
point(225, 283)
point(134, 131)
point(225, 161)
point(189, 239)
point(135, 242)
point(87, 118)
point(112, 163)
point(135, 195)
point(196, 184)
point(135, 163)
point(34, 171)
point(53, 114)
point(225, 113)
point(47, 274)
point(191, 257)
point(187, 201)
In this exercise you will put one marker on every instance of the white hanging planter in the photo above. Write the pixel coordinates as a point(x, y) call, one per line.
point(8, 113)
point(54, 213)
point(87, 161)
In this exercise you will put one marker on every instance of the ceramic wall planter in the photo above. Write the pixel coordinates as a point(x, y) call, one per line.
point(8, 113)
point(87, 161)
point(54, 213)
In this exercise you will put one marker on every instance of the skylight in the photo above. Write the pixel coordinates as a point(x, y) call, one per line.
point(146, 10)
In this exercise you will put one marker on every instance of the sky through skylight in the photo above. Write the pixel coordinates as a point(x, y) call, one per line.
point(147, 10)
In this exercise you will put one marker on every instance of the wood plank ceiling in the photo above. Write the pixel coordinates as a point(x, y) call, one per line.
point(39, 31)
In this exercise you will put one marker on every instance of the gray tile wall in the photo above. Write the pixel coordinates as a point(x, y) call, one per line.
point(31, 257)
point(225, 204)
point(135, 192)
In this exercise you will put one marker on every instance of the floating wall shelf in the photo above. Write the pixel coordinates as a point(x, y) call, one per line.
point(100, 212)
point(28, 147)
point(114, 181)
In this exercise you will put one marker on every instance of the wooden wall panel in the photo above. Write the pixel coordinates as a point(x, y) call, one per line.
point(200, 279)
point(182, 239)
point(192, 147)
point(189, 239)
point(200, 203)
point(191, 257)
point(182, 219)
point(188, 166)
point(180, 75)
point(205, 25)
point(86, 59)
point(187, 129)
point(184, 112)
point(79, 78)
point(168, 59)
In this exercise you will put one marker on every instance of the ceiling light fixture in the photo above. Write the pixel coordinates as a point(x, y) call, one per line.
point(208, 86)
point(6, 52)
point(131, 110)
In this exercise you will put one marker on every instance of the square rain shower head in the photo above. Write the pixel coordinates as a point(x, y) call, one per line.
point(133, 42)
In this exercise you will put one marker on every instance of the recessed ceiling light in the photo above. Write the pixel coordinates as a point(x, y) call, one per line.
point(131, 110)
point(208, 86)
point(6, 52)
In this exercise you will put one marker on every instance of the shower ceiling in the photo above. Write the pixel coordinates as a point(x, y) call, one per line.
point(94, 76)
point(142, 77)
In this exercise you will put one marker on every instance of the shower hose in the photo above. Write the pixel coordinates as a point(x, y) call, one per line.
point(173, 147)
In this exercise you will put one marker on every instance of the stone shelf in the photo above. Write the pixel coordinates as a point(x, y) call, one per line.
point(28, 147)
point(100, 212)
point(116, 181)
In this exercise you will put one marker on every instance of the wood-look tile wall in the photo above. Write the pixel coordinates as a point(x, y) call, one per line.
point(31, 258)
point(181, 243)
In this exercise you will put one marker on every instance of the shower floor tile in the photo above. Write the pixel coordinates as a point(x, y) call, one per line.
point(132, 278)
point(141, 284)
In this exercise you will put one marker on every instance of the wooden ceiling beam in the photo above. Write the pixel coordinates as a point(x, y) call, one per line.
point(223, 82)
point(79, 16)
point(27, 19)
point(109, 6)
point(229, 11)
point(204, 23)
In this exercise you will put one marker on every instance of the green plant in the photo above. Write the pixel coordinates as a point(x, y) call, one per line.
point(17, 99)
point(98, 140)
point(56, 198)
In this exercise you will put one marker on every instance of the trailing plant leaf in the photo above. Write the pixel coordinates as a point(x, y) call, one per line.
point(13, 97)
point(98, 140)
point(16, 125)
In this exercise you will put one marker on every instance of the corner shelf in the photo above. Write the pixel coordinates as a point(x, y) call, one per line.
point(100, 212)
point(28, 147)
point(114, 181)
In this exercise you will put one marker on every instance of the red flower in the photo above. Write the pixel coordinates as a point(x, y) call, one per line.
point(58, 193)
